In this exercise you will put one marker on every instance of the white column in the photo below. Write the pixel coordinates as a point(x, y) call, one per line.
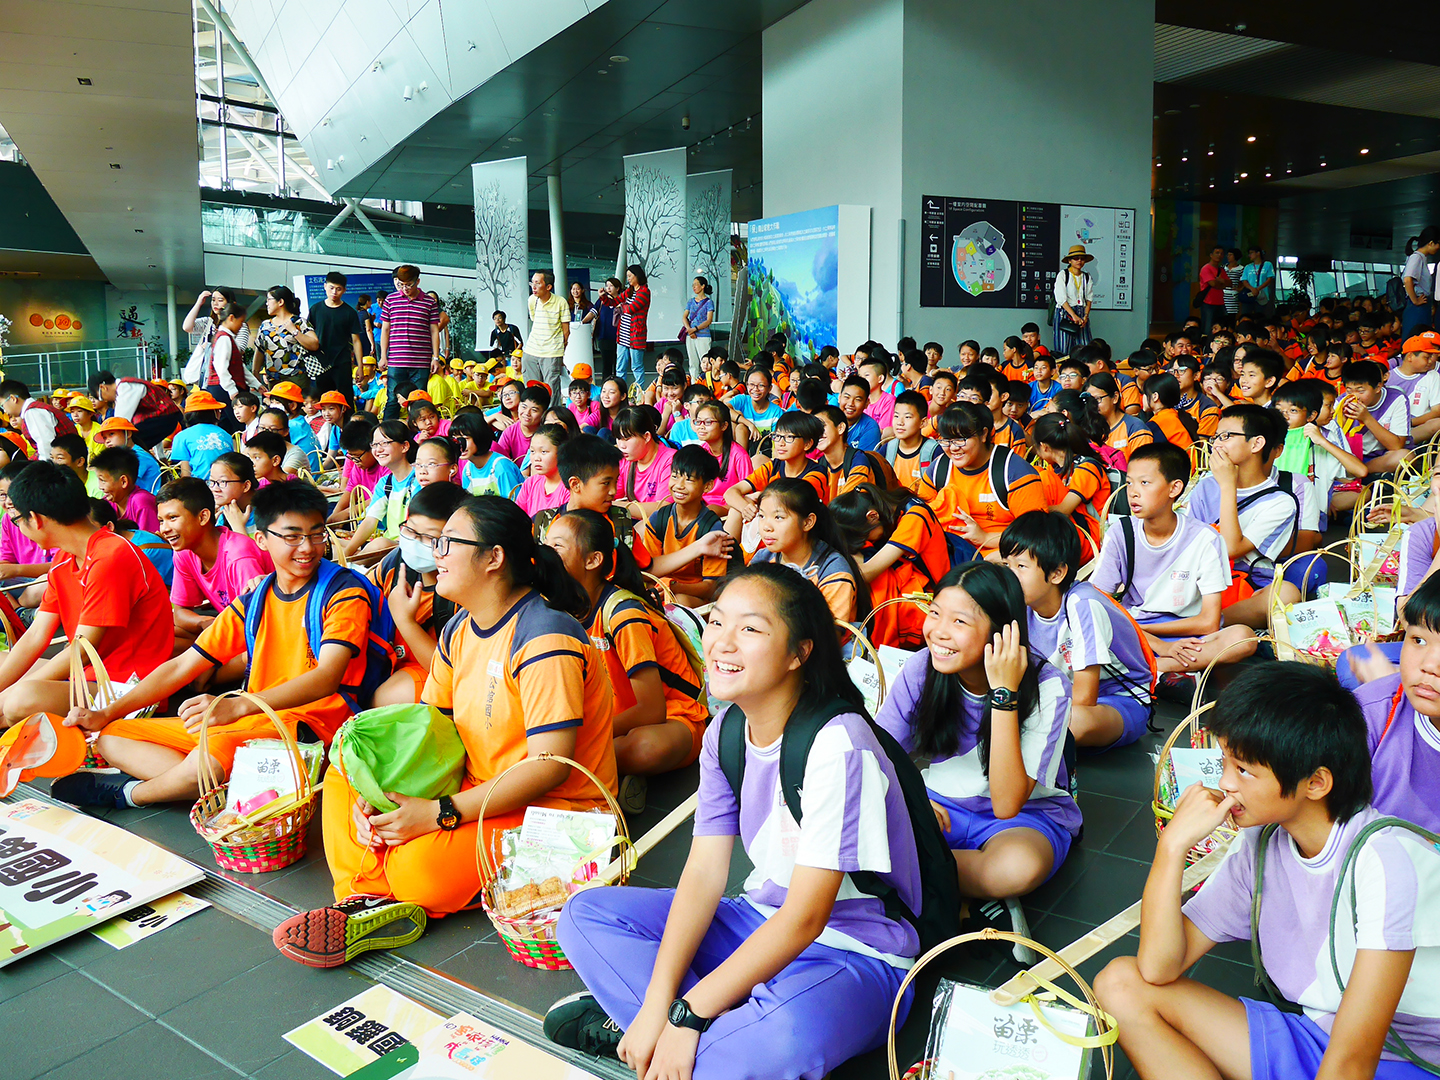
point(557, 236)
point(173, 327)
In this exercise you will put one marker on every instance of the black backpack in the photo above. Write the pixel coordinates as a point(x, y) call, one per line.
point(939, 916)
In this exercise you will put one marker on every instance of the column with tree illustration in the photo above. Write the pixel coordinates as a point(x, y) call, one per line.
point(655, 234)
point(502, 240)
point(708, 227)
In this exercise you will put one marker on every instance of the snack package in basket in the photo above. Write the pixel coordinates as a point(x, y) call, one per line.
point(261, 776)
point(548, 857)
point(1370, 614)
point(1318, 627)
point(972, 1038)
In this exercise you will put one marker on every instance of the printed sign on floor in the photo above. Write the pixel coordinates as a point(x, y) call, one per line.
point(139, 923)
point(62, 872)
point(464, 1048)
point(370, 1025)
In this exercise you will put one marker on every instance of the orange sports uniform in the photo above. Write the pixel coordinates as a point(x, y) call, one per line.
point(1128, 434)
point(973, 493)
point(282, 653)
point(1205, 413)
point(1008, 433)
point(661, 534)
point(813, 474)
point(924, 560)
point(1169, 423)
point(1129, 394)
point(637, 637)
point(533, 671)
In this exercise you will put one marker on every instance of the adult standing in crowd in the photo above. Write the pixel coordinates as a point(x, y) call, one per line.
point(206, 326)
point(341, 349)
point(284, 341)
point(1233, 269)
point(148, 407)
point(699, 314)
point(544, 355)
point(1074, 293)
point(580, 345)
point(606, 306)
point(409, 335)
point(444, 325)
point(1419, 283)
point(1213, 280)
point(1257, 284)
point(504, 339)
point(630, 329)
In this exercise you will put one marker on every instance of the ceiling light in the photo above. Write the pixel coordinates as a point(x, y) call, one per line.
point(603, 71)
point(82, 80)
point(1249, 138)
point(140, 230)
point(1244, 176)
point(152, 266)
point(1172, 112)
point(617, 59)
point(1364, 150)
point(1239, 27)
point(514, 138)
point(1212, 185)
point(1267, 176)
point(1185, 156)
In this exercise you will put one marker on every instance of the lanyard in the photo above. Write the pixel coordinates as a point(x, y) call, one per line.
point(1394, 706)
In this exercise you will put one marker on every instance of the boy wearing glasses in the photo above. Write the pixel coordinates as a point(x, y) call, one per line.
point(156, 757)
point(100, 587)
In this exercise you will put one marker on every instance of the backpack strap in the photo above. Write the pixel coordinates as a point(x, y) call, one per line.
point(254, 609)
point(999, 466)
point(1262, 977)
point(1127, 530)
point(732, 748)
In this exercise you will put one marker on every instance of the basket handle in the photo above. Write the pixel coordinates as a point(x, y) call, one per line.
point(81, 652)
point(337, 549)
point(483, 866)
point(1107, 1031)
point(1191, 724)
point(919, 599)
point(209, 782)
point(1204, 676)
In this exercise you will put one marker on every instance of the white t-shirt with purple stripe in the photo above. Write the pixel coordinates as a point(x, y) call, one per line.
point(1397, 877)
point(1417, 552)
point(1171, 578)
point(1268, 522)
point(853, 818)
point(960, 777)
point(1089, 630)
point(1392, 412)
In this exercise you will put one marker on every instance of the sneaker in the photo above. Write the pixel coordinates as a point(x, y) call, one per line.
point(1176, 687)
point(330, 936)
point(93, 789)
point(633, 790)
point(580, 1023)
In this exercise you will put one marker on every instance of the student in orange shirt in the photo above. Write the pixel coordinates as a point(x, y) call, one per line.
point(520, 676)
point(1260, 373)
point(911, 450)
point(156, 757)
point(1162, 395)
point(1125, 432)
point(942, 394)
point(901, 548)
point(1195, 404)
point(660, 703)
point(100, 587)
point(1018, 357)
point(991, 389)
point(684, 543)
point(962, 487)
point(1064, 446)
point(795, 435)
point(846, 465)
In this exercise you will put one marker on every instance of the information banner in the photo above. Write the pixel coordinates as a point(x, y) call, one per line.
point(707, 223)
point(655, 235)
point(502, 245)
point(62, 872)
point(793, 279)
point(996, 253)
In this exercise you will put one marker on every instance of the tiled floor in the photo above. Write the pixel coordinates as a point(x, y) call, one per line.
point(210, 996)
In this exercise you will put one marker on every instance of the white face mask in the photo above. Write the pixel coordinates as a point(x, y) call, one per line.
point(417, 555)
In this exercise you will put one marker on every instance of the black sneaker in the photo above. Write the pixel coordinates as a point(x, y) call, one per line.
point(92, 789)
point(1176, 687)
point(578, 1022)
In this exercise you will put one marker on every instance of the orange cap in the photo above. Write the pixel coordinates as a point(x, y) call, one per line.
point(40, 745)
point(582, 371)
point(201, 401)
point(419, 395)
point(1426, 341)
point(286, 391)
point(332, 397)
point(115, 423)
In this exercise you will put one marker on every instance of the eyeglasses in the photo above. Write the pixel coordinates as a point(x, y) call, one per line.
point(376, 443)
point(783, 437)
point(955, 444)
point(424, 538)
point(294, 540)
point(1221, 436)
point(221, 483)
point(356, 456)
point(427, 466)
point(442, 544)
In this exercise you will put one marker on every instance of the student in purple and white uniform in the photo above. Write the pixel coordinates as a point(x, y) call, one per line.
point(798, 974)
point(1297, 783)
point(992, 719)
point(1090, 638)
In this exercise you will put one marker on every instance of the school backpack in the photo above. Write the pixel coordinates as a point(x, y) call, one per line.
point(687, 634)
point(939, 475)
point(1395, 295)
point(939, 916)
point(1393, 1042)
point(930, 452)
point(330, 579)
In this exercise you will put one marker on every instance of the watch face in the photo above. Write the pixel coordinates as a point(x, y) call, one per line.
point(677, 1012)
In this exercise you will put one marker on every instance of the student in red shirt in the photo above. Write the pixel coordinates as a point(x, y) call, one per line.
point(101, 587)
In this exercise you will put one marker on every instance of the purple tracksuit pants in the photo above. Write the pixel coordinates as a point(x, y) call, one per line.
point(824, 1008)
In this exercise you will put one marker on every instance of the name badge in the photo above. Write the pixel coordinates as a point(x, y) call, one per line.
point(496, 671)
point(988, 496)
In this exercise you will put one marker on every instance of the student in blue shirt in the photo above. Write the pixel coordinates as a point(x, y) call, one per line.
point(196, 448)
point(118, 432)
point(288, 397)
point(862, 431)
point(755, 407)
point(683, 433)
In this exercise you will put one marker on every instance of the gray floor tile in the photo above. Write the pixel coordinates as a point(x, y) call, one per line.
point(242, 1020)
point(190, 958)
point(98, 1014)
point(488, 966)
point(1137, 839)
point(1108, 886)
point(145, 1053)
point(449, 936)
point(1105, 817)
point(29, 972)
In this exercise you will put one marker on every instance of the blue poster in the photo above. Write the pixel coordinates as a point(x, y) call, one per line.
point(369, 284)
point(792, 281)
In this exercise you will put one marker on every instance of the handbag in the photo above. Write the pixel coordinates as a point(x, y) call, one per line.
point(411, 750)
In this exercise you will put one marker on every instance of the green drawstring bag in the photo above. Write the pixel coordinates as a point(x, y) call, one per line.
point(411, 750)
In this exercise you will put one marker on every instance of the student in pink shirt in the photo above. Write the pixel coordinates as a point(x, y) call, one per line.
point(212, 565)
point(20, 557)
point(586, 410)
point(514, 441)
point(645, 473)
point(117, 470)
point(543, 489)
point(712, 424)
point(882, 404)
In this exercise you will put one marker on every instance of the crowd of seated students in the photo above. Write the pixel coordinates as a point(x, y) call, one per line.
point(965, 516)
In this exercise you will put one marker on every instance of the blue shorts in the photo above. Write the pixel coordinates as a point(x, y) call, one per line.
point(970, 830)
point(1288, 1046)
point(1135, 714)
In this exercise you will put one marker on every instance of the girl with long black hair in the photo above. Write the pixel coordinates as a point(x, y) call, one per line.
point(1078, 483)
point(992, 720)
point(796, 530)
point(799, 973)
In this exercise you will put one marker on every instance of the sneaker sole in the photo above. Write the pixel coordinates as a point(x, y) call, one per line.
point(327, 937)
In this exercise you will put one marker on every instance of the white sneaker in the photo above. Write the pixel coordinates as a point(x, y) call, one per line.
point(633, 790)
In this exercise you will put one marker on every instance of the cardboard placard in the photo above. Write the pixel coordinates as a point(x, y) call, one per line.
point(356, 1033)
point(148, 919)
point(464, 1048)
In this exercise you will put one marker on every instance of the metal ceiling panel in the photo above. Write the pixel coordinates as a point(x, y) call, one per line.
point(1181, 51)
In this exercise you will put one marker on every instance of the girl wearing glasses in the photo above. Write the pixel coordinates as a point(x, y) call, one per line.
point(233, 483)
point(712, 425)
point(393, 446)
point(521, 678)
point(1127, 433)
point(483, 470)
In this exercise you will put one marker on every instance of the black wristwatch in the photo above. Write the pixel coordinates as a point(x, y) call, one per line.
point(681, 1015)
point(448, 818)
point(1004, 699)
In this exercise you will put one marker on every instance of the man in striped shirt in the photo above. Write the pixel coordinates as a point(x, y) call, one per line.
point(410, 335)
